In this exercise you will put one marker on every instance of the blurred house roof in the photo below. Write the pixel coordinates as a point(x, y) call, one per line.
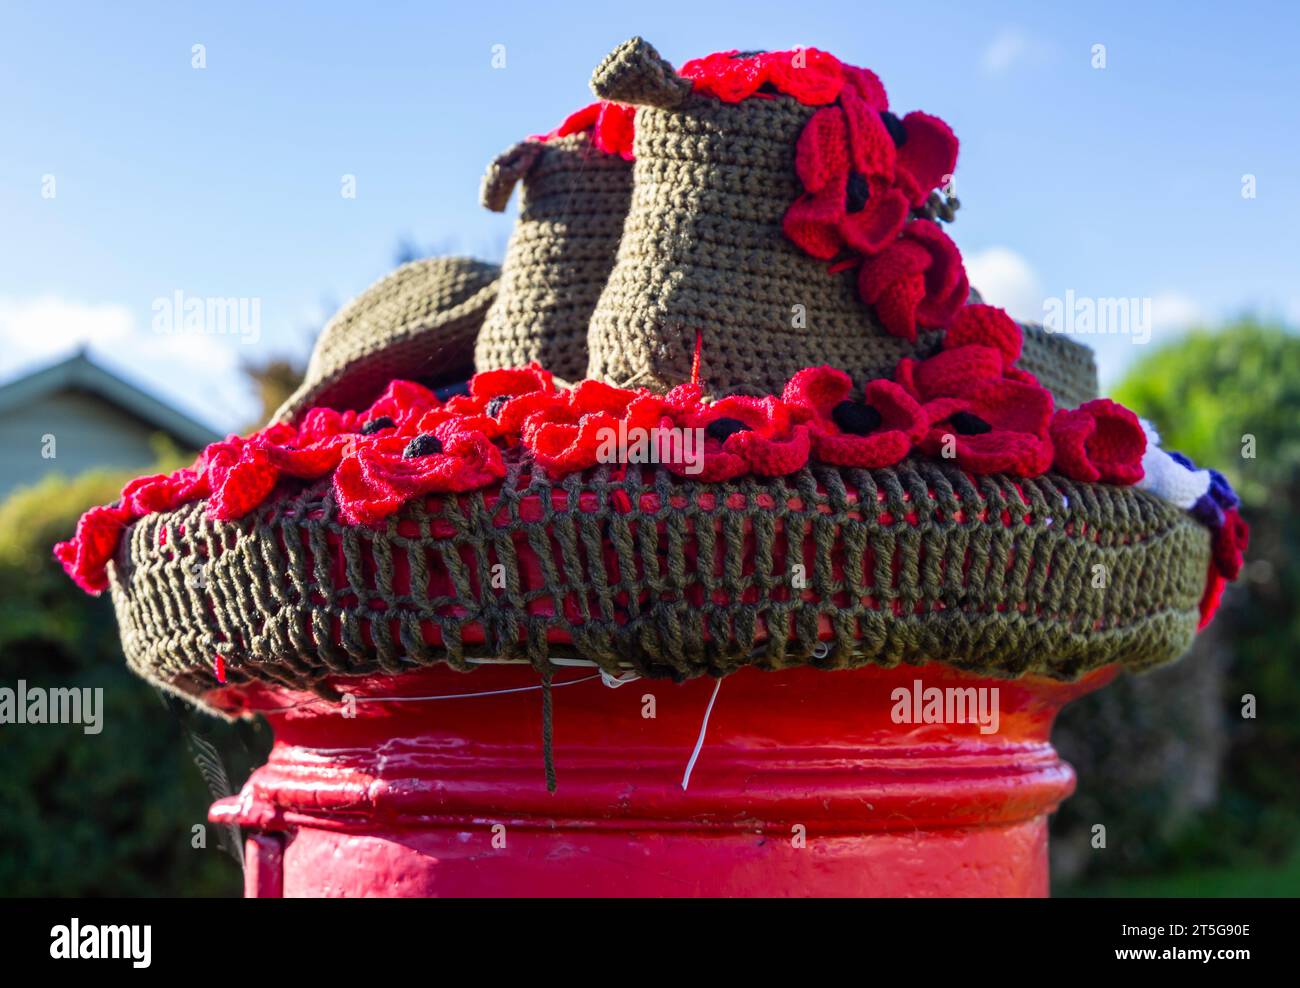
point(79, 373)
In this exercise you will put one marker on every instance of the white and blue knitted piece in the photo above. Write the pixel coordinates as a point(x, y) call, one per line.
point(1166, 478)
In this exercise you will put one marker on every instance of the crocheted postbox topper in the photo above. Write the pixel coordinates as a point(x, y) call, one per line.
point(729, 401)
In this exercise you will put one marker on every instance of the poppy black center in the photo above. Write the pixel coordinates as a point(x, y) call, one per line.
point(374, 425)
point(422, 445)
point(897, 132)
point(969, 424)
point(724, 428)
point(856, 418)
point(496, 404)
point(857, 193)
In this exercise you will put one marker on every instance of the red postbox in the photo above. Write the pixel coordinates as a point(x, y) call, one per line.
point(806, 783)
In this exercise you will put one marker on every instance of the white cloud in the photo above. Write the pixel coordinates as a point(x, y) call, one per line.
point(212, 352)
point(196, 371)
point(47, 326)
point(1003, 277)
point(1174, 312)
point(1012, 47)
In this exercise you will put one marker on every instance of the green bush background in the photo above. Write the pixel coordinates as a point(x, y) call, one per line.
point(110, 813)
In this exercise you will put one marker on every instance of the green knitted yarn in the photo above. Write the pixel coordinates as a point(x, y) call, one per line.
point(572, 202)
point(672, 577)
point(418, 323)
point(635, 74)
point(1062, 366)
point(702, 249)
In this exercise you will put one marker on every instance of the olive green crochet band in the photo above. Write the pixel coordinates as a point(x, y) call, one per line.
point(1063, 367)
point(671, 577)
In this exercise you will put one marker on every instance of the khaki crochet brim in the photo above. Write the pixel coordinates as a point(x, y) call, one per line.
point(831, 568)
point(418, 323)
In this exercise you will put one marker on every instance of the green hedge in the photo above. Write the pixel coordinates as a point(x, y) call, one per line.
point(111, 813)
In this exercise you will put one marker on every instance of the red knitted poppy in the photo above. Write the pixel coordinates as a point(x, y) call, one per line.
point(403, 402)
point(311, 461)
point(1230, 543)
point(163, 492)
point(1100, 441)
point(866, 85)
point(324, 423)
point(587, 423)
point(811, 76)
point(1227, 552)
point(239, 476)
point(927, 157)
point(951, 373)
point(567, 447)
point(1215, 584)
point(767, 441)
point(918, 280)
point(612, 127)
point(510, 381)
point(774, 445)
point(587, 397)
point(85, 556)
point(497, 404)
point(317, 446)
point(896, 420)
point(845, 160)
point(576, 122)
point(985, 325)
point(981, 343)
point(998, 426)
point(379, 476)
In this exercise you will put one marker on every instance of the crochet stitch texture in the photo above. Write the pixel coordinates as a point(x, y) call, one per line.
point(677, 578)
point(703, 246)
point(572, 202)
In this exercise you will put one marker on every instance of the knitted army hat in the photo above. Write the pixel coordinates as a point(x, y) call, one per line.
point(721, 169)
point(919, 479)
point(575, 184)
point(419, 322)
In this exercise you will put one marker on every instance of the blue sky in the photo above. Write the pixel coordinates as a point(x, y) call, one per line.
point(1124, 181)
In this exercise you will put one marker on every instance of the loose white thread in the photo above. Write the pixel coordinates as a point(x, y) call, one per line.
point(699, 743)
point(614, 682)
point(420, 699)
point(459, 696)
